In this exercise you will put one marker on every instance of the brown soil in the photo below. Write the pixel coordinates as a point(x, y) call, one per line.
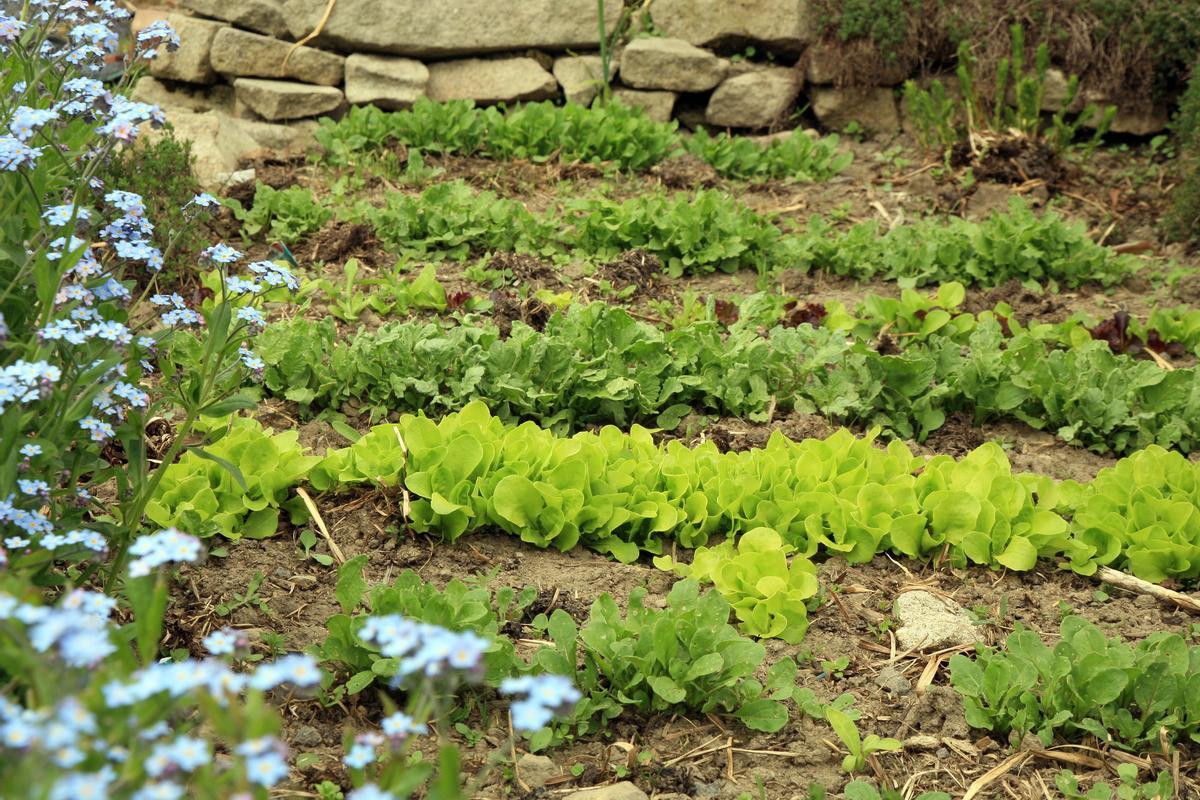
point(685, 172)
point(1012, 160)
point(340, 240)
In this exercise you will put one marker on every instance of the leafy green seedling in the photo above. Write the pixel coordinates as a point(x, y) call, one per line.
point(470, 736)
point(328, 790)
point(835, 668)
point(1128, 787)
point(1086, 685)
point(248, 598)
point(308, 540)
point(860, 749)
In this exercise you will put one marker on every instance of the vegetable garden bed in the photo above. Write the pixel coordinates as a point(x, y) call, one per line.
point(625, 460)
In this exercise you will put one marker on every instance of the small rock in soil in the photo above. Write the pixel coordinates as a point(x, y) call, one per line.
point(891, 681)
point(614, 791)
point(306, 736)
point(536, 770)
point(929, 621)
point(922, 742)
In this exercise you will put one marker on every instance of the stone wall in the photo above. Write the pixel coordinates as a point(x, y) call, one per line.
point(240, 55)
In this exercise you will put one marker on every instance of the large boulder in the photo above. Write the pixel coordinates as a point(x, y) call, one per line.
point(143, 18)
point(249, 55)
point(190, 62)
point(656, 105)
point(581, 77)
point(486, 81)
point(1057, 89)
point(425, 28)
point(780, 24)
point(385, 81)
point(756, 99)
point(264, 16)
point(872, 108)
point(1155, 119)
point(672, 64)
point(283, 100)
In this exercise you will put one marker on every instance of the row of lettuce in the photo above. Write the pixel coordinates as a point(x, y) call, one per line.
point(625, 495)
point(703, 232)
point(597, 364)
point(685, 656)
point(614, 135)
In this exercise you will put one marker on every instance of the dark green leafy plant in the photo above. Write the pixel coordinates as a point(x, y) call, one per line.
point(1128, 787)
point(1009, 245)
point(685, 657)
point(1130, 697)
point(707, 232)
point(449, 220)
point(797, 157)
point(613, 134)
point(455, 126)
point(610, 134)
point(458, 607)
point(596, 364)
